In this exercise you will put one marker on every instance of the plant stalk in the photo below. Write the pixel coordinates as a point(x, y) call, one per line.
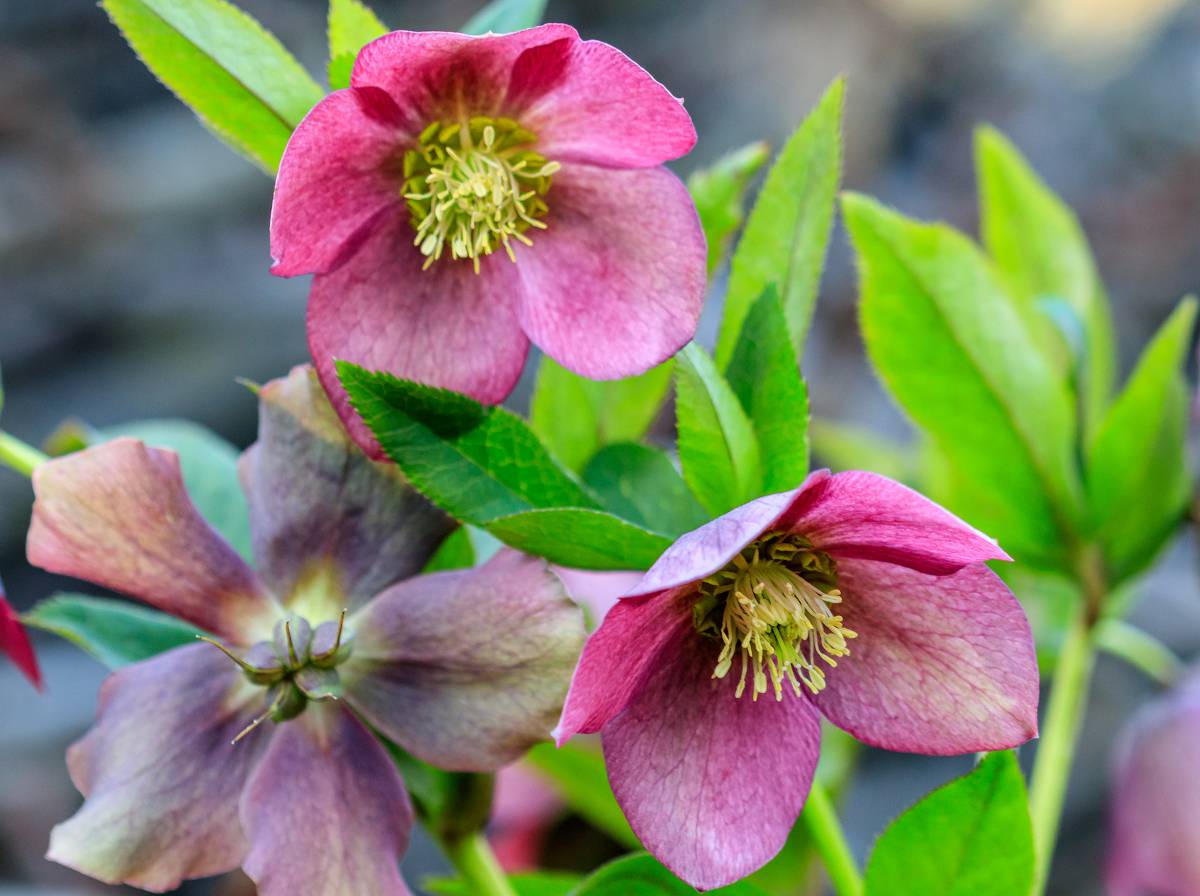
point(19, 456)
point(820, 818)
point(474, 860)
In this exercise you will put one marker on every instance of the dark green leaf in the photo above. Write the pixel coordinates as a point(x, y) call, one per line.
point(505, 16)
point(972, 837)
point(788, 230)
point(537, 883)
point(352, 25)
point(114, 632)
point(718, 191)
point(576, 770)
point(580, 538)
point(642, 875)
point(640, 484)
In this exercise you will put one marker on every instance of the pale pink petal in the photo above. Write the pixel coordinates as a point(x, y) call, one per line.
point(118, 515)
point(615, 284)
point(445, 326)
point(710, 783)
point(865, 515)
point(524, 807)
point(597, 592)
point(941, 665)
point(466, 669)
point(14, 643)
point(326, 811)
point(160, 774)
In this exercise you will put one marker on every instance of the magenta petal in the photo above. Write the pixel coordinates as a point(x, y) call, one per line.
point(338, 173)
point(941, 665)
point(118, 515)
point(865, 515)
point(710, 783)
point(162, 779)
point(616, 282)
point(466, 669)
point(14, 643)
point(321, 510)
point(326, 811)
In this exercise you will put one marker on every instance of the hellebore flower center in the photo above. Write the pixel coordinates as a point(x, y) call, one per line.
point(772, 604)
point(475, 185)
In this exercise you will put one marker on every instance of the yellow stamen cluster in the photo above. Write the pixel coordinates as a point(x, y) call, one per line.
point(474, 186)
point(772, 604)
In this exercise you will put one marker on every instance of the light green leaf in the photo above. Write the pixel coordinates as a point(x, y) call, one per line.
point(114, 632)
point(788, 230)
point(767, 381)
point(506, 16)
point(352, 25)
point(234, 74)
point(845, 446)
point(537, 883)
point(972, 837)
point(952, 349)
point(1041, 250)
point(717, 446)
point(642, 875)
point(576, 771)
point(640, 484)
point(1138, 478)
point(718, 192)
point(580, 538)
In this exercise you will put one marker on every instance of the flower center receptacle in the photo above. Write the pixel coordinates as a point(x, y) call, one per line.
point(474, 186)
point(772, 604)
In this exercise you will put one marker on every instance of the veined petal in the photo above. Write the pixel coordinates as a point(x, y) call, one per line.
point(322, 513)
point(118, 515)
point(466, 669)
point(326, 811)
point(941, 665)
point(160, 774)
point(710, 783)
point(14, 643)
point(615, 283)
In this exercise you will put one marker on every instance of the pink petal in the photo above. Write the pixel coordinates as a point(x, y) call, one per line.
point(523, 809)
point(326, 811)
point(710, 783)
point(865, 515)
point(14, 643)
point(118, 515)
point(941, 665)
point(445, 326)
point(319, 506)
point(588, 102)
point(161, 777)
point(466, 669)
point(596, 592)
point(340, 170)
point(616, 282)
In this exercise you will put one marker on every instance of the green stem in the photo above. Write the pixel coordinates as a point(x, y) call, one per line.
point(821, 820)
point(1140, 649)
point(21, 457)
point(472, 856)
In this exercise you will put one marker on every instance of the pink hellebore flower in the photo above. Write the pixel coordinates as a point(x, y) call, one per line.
point(14, 642)
point(1155, 826)
point(851, 597)
point(466, 669)
point(466, 195)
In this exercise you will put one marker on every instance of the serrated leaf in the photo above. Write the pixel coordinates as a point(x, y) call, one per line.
point(234, 74)
point(640, 484)
point(505, 16)
point(788, 230)
point(114, 632)
point(352, 25)
point(1041, 250)
point(767, 381)
point(576, 771)
point(642, 875)
point(580, 538)
point(1137, 476)
point(536, 883)
point(972, 837)
point(717, 445)
point(948, 343)
point(718, 192)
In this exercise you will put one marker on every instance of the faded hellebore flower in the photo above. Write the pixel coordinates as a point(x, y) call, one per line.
point(257, 749)
point(851, 597)
point(466, 195)
point(14, 642)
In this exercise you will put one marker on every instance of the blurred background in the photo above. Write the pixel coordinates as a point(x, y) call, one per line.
point(134, 284)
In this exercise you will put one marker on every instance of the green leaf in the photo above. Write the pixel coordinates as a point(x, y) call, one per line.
point(352, 25)
point(767, 381)
point(463, 548)
point(717, 445)
point(537, 883)
point(1041, 250)
point(845, 446)
point(972, 837)
point(788, 230)
point(114, 632)
point(952, 349)
point(209, 465)
point(235, 75)
point(640, 484)
point(576, 417)
point(580, 538)
point(431, 788)
point(477, 463)
point(718, 191)
point(1138, 478)
point(505, 16)
point(642, 875)
point(576, 771)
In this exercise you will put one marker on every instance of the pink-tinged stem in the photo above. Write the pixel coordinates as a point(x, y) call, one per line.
point(19, 456)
